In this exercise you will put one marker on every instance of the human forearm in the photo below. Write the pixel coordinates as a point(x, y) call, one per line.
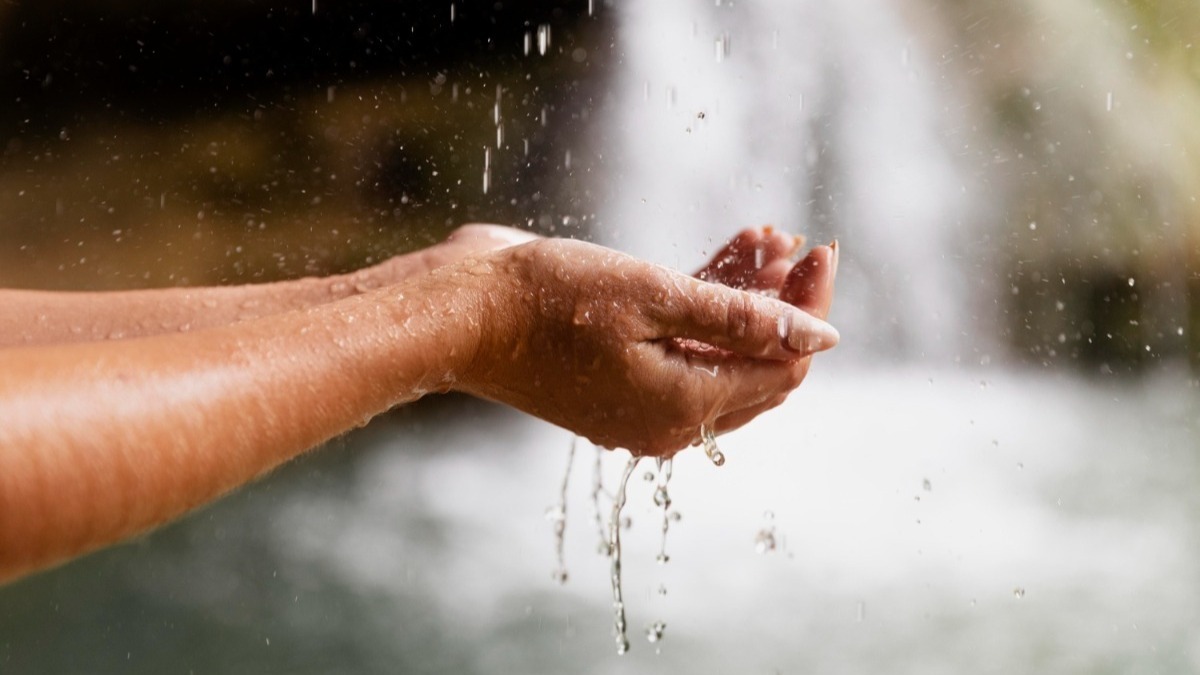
point(98, 441)
point(41, 317)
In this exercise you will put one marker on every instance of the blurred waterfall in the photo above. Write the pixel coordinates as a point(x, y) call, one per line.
point(819, 118)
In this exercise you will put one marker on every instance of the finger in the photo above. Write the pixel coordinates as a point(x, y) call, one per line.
point(744, 323)
point(740, 418)
point(809, 285)
point(738, 383)
point(741, 262)
point(772, 276)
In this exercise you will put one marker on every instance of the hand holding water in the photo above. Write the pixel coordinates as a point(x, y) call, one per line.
point(633, 355)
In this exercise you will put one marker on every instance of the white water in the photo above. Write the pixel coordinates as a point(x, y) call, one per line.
point(1080, 495)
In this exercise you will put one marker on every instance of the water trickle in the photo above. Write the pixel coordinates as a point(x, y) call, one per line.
point(662, 499)
point(709, 437)
point(597, 490)
point(614, 548)
point(557, 515)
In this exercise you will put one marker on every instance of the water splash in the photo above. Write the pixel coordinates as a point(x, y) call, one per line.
point(709, 437)
point(614, 552)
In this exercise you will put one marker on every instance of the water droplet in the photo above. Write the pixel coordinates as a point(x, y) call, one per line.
point(1033, 226)
point(1018, 592)
point(721, 47)
point(710, 445)
point(648, 476)
point(926, 485)
point(543, 38)
point(1108, 102)
point(661, 498)
point(655, 632)
point(764, 541)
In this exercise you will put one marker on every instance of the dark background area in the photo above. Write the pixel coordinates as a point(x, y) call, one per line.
point(150, 144)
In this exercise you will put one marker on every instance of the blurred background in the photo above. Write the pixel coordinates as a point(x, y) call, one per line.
point(995, 471)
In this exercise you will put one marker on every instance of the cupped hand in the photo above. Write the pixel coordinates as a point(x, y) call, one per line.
point(595, 341)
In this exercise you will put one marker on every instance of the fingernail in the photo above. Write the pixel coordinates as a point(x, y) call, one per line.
point(809, 335)
point(833, 245)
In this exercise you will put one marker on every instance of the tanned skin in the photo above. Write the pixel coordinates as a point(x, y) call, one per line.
point(120, 411)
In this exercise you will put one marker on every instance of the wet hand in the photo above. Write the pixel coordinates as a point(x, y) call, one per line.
point(596, 341)
point(760, 260)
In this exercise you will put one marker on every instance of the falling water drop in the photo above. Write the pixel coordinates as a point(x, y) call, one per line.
point(614, 548)
point(721, 47)
point(487, 169)
point(1108, 102)
point(527, 44)
point(543, 38)
point(710, 445)
point(764, 541)
point(654, 632)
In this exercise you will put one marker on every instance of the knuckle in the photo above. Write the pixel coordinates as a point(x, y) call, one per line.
point(740, 313)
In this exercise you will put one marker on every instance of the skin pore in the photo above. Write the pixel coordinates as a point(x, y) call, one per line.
point(103, 438)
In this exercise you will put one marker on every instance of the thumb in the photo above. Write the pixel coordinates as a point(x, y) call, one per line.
point(745, 323)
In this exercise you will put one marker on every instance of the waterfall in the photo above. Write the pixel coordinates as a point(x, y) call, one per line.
point(819, 118)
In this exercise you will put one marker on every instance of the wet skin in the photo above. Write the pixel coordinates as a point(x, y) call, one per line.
point(101, 439)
